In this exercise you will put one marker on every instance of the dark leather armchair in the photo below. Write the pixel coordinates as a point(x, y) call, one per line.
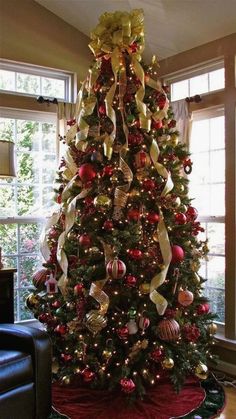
point(25, 372)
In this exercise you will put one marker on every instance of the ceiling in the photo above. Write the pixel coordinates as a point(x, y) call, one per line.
point(171, 26)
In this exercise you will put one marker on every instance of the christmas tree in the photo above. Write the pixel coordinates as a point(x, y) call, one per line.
point(120, 293)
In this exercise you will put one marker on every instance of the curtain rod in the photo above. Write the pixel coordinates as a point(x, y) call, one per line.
point(195, 99)
point(41, 99)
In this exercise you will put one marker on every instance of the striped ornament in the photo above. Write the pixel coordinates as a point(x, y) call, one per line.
point(168, 329)
point(39, 278)
point(141, 160)
point(116, 269)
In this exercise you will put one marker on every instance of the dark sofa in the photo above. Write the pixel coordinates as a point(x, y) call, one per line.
point(25, 372)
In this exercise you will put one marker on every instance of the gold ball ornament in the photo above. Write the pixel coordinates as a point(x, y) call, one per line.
point(107, 354)
point(144, 288)
point(66, 380)
point(32, 301)
point(168, 363)
point(195, 265)
point(55, 366)
point(201, 371)
point(79, 353)
point(179, 188)
point(95, 321)
point(174, 140)
point(102, 201)
point(212, 328)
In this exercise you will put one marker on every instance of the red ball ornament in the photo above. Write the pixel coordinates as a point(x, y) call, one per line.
point(87, 172)
point(88, 375)
point(116, 269)
point(135, 139)
point(61, 329)
point(123, 332)
point(39, 278)
point(44, 317)
point(180, 218)
point(177, 254)
point(66, 357)
point(85, 240)
point(157, 355)
point(102, 110)
point(107, 171)
point(56, 304)
point(130, 280)
point(168, 330)
point(157, 124)
point(170, 313)
point(135, 254)
point(141, 160)
point(148, 184)
point(152, 218)
point(162, 100)
point(127, 385)
point(201, 309)
point(88, 201)
point(133, 214)
point(108, 225)
point(78, 289)
point(185, 298)
point(191, 214)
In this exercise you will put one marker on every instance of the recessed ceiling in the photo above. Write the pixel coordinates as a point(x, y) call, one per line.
point(171, 26)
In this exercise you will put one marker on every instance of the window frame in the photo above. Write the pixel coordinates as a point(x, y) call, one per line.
point(68, 77)
point(31, 115)
point(226, 99)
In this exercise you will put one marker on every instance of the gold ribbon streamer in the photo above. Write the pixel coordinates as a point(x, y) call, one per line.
point(154, 154)
point(115, 63)
point(144, 113)
point(69, 222)
point(158, 279)
point(100, 296)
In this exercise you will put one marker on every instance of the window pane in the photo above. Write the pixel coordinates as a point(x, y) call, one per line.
point(179, 90)
point(28, 167)
point(199, 84)
point(48, 132)
point(7, 80)
point(7, 129)
point(217, 302)
point(28, 265)
point(200, 136)
point(28, 138)
point(217, 79)
point(28, 199)
point(8, 238)
point(7, 201)
point(216, 237)
point(21, 311)
point(53, 87)
point(201, 201)
point(217, 206)
point(49, 168)
point(217, 132)
point(29, 238)
point(27, 83)
point(201, 169)
point(217, 166)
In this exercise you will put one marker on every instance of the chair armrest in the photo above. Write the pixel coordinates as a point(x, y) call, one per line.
point(36, 343)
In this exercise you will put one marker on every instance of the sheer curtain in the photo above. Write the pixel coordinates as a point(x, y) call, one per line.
point(183, 118)
point(65, 112)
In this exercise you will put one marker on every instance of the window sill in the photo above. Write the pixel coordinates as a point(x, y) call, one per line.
point(223, 342)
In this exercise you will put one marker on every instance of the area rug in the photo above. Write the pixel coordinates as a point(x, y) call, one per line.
point(195, 401)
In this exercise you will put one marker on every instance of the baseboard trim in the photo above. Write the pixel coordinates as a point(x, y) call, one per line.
point(227, 368)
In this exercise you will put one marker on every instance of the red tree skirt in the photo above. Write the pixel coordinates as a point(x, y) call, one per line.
point(161, 402)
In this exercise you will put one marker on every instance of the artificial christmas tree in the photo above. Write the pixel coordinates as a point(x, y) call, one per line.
point(122, 296)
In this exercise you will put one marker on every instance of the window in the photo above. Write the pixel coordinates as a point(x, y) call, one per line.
point(207, 181)
point(36, 81)
point(200, 81)
point(26, 199)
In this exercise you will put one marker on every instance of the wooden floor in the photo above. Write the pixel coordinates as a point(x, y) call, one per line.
point(230, 409)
